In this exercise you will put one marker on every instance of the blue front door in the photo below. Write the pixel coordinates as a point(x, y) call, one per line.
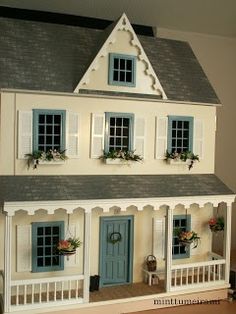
point(116, 250)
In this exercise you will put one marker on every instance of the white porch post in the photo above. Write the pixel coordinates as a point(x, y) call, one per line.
point(7, 263)
point(168, 246)
point(87, 240)
point(227, 241)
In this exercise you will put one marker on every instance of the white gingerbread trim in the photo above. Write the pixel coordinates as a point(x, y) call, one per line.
point(123, 25)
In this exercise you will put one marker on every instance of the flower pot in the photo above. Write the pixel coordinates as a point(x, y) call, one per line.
point(67, 253)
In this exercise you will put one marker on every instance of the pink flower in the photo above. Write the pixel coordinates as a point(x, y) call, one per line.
point(64, 245)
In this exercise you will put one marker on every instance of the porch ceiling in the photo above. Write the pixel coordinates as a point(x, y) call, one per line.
point(105, 191)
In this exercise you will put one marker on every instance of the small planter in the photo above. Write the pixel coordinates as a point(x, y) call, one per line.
point(120, 157)
point(117, 161)
point(51, 162)
point(184, 158)
point(186, 238)
point(151, 263)
point(52, 157)
point(216, 224)
point(67, 253)
point(68, 247)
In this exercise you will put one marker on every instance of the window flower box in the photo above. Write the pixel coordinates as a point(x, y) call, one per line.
point(52, 157)
point(110, 161)
point(184, 158)
point(120, 157)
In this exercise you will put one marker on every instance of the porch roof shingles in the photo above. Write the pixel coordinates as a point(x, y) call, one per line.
point(90, 187)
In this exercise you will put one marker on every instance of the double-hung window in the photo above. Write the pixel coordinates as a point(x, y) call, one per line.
point(45, 236)
point(180, 134)
point(122, 70)
point(119, 131)
point(180, 223)
point(49, 130)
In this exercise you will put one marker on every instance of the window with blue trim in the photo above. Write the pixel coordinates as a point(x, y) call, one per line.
point(45, 236)
point(119, 131)
point(180, 223)
point(180, 134)
point(49, 130)
point(122, 70)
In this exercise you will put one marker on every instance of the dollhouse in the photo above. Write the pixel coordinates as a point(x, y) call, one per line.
point(107, 137)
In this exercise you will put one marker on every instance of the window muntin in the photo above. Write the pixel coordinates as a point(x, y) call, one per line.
point(49, 130)
point(45, 237)
point(122, 69)
point(181, 222)
point(180, 134)
point(119, 132)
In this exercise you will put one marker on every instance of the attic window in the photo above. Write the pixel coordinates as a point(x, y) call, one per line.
point(122, 70)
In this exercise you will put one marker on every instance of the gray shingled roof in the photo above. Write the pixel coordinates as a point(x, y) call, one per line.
point(88, 187)
point(53, 57)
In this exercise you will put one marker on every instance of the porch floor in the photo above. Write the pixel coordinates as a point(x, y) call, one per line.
point(126, 291)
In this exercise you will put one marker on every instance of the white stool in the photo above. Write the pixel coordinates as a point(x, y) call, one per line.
point(151, 275)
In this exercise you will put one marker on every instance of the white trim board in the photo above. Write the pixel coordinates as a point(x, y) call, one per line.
point(50, 206)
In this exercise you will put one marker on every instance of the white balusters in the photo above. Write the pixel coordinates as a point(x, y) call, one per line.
point(195, 274)
point(35, 292)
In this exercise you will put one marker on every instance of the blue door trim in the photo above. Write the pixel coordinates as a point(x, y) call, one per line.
point(130, 219)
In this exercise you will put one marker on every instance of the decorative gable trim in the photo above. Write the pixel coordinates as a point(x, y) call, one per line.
point(123, 25)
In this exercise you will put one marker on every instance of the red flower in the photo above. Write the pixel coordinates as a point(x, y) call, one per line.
point(212, 222)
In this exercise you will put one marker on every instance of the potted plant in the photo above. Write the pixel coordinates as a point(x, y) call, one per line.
point(187, 238)
point(120, 156)
point(39, 156)
point(68, 247)
point(216, 224)
point(188, 157)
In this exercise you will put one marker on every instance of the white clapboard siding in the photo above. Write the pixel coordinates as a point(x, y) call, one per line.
point(139, 131)
point(198, 138)
point(161, 137)
point(24, 133)
point(24, 248)
point(73, 260)
point(158, 235)
point(97, 140)
point(73, 134)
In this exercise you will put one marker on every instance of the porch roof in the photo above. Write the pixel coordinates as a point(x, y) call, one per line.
point(30, 193)
point(90, 187)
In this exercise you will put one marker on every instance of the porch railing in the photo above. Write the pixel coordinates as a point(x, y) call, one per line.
point(197, 274)
point(33, 293)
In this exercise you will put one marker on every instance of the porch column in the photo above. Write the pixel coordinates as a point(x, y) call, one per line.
point(168, 246)
point(227, 241)
point(7, 263)
point(87, 240)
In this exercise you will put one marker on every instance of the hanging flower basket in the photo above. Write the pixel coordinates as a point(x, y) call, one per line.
point(187, 238)
point(216, 224)
point(68, 247)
